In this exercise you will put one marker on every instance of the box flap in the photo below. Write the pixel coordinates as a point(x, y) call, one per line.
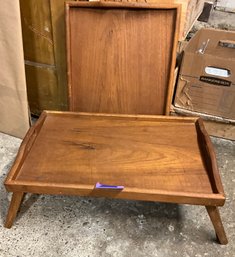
point(218, 43)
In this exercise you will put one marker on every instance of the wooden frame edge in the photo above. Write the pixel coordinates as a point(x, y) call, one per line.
point(122, 4)
point(127, 116)
point(211, 155)
point(68, 52)
point(127, 193)
point(170, 89)
point(23, 150)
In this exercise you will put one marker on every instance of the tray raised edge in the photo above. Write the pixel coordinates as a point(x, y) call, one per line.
point(217, 198)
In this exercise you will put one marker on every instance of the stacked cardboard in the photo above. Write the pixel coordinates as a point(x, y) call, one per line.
point(206, 82)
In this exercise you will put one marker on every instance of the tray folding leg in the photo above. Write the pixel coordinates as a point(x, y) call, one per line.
point(213, 212)
point(217, 223)
point(16, 200)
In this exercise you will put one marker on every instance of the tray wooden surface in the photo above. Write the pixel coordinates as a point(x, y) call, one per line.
point(121, 56)
point(155, 158)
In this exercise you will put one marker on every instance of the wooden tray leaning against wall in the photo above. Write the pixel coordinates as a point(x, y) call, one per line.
point(121, 56)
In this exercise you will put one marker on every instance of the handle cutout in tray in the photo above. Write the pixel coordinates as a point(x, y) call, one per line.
point(227, 43)
point(215, 71)
point(98, 185)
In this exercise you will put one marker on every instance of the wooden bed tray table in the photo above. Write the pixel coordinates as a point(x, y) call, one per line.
point(155, 158)
point(120, 60)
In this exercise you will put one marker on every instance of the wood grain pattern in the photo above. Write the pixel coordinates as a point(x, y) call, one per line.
point(42, 87)
point(58, 31)
point(121, 57)
point(190, 11)
point(37, 31)
point(43, 26)
point(209, 157)
point(141, 153)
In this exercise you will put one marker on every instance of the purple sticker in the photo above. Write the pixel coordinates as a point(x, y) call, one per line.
point(103, 186)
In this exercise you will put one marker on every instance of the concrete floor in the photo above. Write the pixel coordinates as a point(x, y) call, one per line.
point(75, 226)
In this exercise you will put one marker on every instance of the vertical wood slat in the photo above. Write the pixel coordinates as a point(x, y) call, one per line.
point(58, 31)
point(39, 58)
point(45, 54)
point(37, 31)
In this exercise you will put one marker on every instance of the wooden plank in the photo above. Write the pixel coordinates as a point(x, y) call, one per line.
point(222, 130)
point(41, 73)
point(122, 72)
point(57, 8)
point(42, 87)
point(37, 31)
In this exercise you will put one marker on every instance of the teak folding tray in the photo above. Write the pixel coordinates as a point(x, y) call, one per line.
point(155, 158)
point(121, 56)
point(120, 60)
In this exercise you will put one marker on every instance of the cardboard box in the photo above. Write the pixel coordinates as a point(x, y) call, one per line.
point(206, 82)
